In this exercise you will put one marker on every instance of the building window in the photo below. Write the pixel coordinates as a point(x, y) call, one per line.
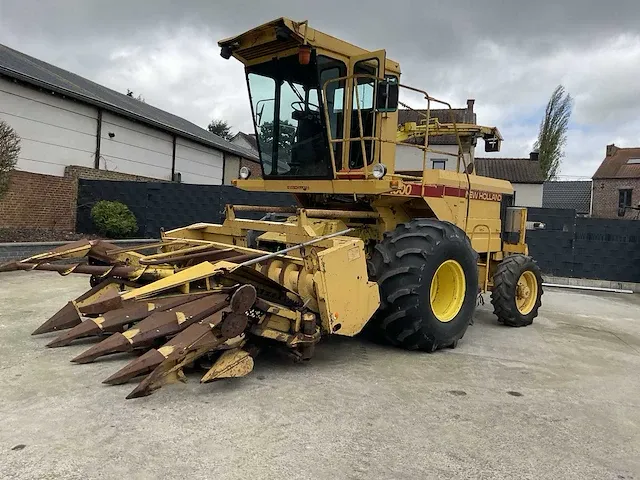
point(624, 197)
point(439, 164)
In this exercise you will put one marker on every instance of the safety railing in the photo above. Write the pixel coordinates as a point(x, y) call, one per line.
point(351, 81)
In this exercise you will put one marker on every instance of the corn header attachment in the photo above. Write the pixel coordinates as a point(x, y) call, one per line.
point(202, 303)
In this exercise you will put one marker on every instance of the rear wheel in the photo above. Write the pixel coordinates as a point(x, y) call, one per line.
point(517, 291)
point(428, 278)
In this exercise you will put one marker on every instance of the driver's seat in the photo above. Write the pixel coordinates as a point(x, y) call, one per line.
point(309, 140)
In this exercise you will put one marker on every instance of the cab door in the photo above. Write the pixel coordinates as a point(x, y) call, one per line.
point(362, 119)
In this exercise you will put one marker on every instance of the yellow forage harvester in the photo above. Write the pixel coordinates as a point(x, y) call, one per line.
point(402, 254)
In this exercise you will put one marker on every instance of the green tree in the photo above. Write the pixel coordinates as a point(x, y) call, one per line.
point(552, 137)
point(9, 151)
point(287, 137)
point(220, 128)
point(140, 98)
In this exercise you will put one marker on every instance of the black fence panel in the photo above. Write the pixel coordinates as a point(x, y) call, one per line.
point(159, 205)
point(570, 246)
point(553, 247)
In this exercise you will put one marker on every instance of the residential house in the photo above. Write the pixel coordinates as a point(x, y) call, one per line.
point(66, 120)
point(616, 183)
point(574, 195)
point(524, 174)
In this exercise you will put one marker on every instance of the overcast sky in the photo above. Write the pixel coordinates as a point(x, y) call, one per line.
point(509, 55)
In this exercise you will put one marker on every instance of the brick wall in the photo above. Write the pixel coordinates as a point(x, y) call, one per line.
point(49, 202)
point(254, 167)
point(39, 200)
point(93, 174)
point(606, 196)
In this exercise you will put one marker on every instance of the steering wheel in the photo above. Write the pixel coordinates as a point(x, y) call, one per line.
point(300, 106)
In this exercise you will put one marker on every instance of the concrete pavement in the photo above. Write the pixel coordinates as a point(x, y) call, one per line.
point(559, 399)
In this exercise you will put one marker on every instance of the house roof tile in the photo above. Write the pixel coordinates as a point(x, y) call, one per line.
point(516, 170)
point(616, 164)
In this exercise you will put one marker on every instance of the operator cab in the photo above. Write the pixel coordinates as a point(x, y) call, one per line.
point(314, 101)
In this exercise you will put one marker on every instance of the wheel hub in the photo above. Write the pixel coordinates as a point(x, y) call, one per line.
point(526, 292)
point(448, 288)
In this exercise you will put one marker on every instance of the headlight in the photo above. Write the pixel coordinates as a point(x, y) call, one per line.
point(379, 170)
point(245, 173)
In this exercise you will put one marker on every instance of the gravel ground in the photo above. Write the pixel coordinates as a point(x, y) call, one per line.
point(557, 400)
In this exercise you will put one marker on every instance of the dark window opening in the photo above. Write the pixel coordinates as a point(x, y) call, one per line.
point(439, 164)
point(624, 197)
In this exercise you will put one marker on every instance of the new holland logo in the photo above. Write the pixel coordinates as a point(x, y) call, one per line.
point(489, 196)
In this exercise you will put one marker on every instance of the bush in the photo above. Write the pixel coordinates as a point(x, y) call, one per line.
point(113, 219)
point(9, 151)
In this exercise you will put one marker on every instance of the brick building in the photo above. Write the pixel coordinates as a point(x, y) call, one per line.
point(616, 184)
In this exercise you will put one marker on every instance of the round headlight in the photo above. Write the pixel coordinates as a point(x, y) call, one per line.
point(245, 173)
point(379, 170)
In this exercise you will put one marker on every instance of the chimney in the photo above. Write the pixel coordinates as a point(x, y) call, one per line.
point(470, 103)
point(611, 150)
point(533, 156)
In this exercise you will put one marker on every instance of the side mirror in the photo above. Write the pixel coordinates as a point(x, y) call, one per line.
point(387, 95)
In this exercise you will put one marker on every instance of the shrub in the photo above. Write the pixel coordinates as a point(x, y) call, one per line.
point(9, 151)
point(113, 219)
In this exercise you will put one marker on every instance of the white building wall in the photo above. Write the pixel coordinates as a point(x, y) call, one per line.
point(231, 168)
point(55, 132)
point(409, 158)
point(135, 148)
point(198, 164)
point(528, 194)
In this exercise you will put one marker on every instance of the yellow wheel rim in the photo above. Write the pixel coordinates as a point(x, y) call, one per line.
point(448, 287)
point(526, 292)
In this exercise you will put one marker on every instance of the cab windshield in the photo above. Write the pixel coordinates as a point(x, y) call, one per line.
point(286, 98)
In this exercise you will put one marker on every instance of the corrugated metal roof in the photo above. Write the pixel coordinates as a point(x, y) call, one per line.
point(616, 164)
point(567, 194)
point(516, 170)
point(28, 69)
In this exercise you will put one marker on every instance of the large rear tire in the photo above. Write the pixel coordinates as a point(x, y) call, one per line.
point(517, 290)
point(428, 278)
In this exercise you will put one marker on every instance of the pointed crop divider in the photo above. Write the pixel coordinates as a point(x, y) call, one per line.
point(242, 300)
point(114, 320)
point(158, 325)
point(71, 314)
